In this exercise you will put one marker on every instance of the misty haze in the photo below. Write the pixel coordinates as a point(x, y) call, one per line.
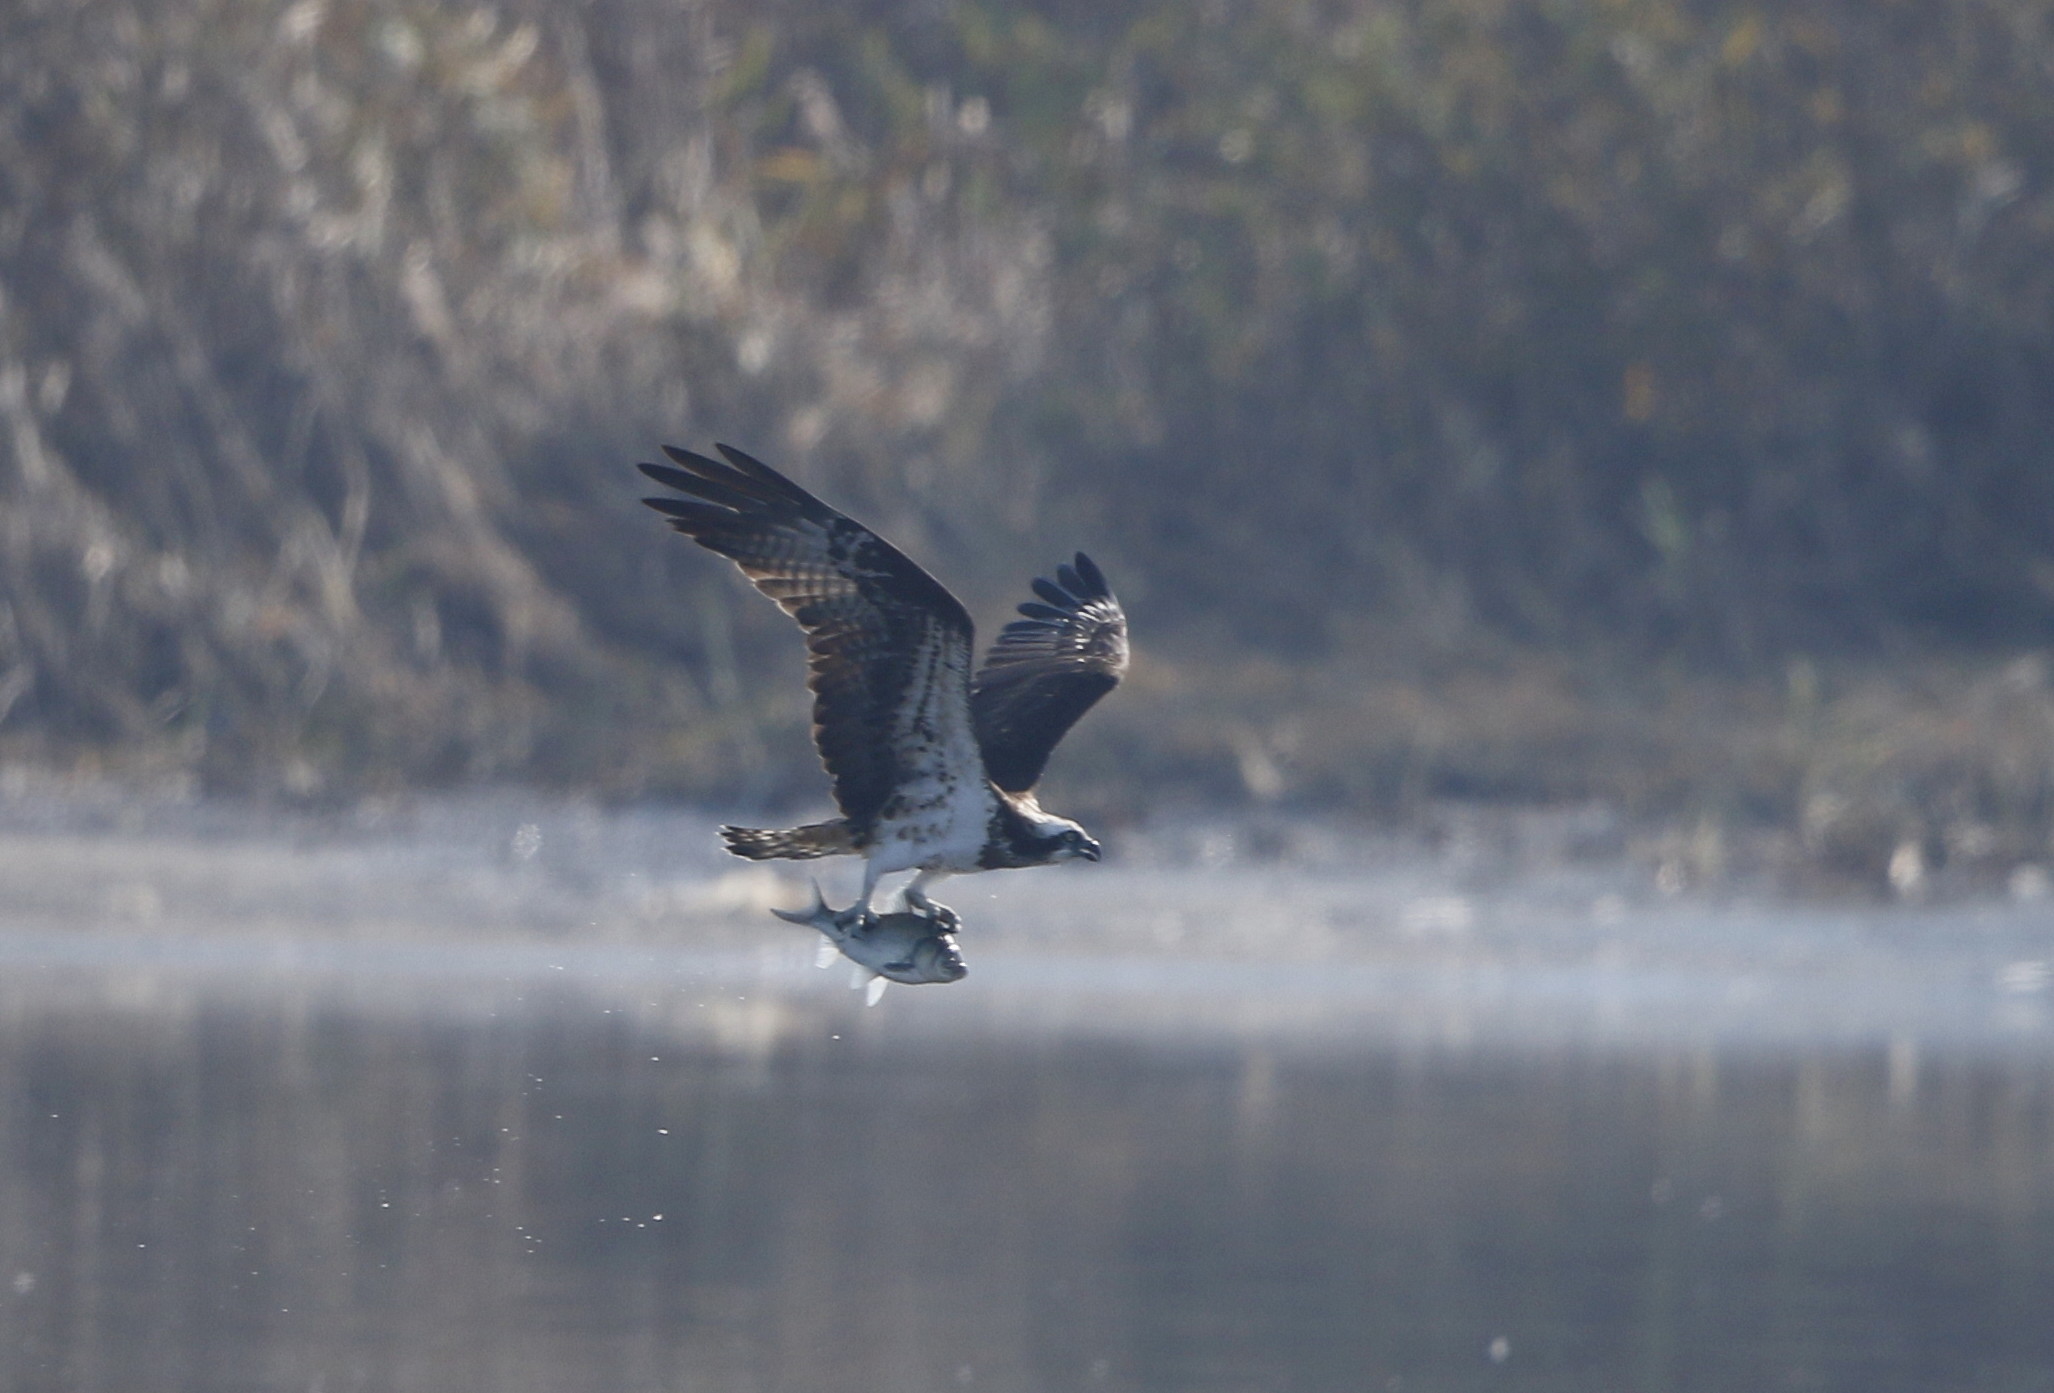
point(1577, 908)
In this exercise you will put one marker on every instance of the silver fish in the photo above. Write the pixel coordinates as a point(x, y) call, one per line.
point(898, 947)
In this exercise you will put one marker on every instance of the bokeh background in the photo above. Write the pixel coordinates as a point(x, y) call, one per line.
point(1576, 913)
point(1639, 401)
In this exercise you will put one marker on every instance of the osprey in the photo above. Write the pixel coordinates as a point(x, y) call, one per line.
point(933, 769)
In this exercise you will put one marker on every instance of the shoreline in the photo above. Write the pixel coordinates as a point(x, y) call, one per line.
point(456, 904)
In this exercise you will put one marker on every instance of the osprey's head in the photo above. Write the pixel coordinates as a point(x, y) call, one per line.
point(1071, 843)
point(1036, 838)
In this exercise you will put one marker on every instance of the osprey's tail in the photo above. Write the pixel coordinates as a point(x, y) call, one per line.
point(791, 843)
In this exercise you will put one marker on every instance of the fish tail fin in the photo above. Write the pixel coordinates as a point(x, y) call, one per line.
point(808, 917)
point(790, 843)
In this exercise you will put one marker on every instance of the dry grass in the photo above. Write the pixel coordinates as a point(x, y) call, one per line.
point(328, 333)
point(1930, 779)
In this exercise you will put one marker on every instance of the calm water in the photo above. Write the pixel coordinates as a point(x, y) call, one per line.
point(325, 1108)
point(567, 1188)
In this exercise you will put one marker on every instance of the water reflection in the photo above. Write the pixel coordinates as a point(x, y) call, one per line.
point(580, 1189)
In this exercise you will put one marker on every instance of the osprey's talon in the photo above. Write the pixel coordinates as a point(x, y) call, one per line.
point(945, 919)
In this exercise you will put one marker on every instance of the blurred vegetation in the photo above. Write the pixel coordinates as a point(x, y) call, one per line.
point(1641, 400)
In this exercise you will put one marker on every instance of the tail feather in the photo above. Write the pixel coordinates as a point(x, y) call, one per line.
point(791, 843)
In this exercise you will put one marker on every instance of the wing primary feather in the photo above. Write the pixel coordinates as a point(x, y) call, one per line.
point(669, 476)
point(675, 507)
point(749, 464)
point(712, 490)
point(763, 474)
point(753, 483)
point(880, 631)
point(691, 513)
point(1045, 671)
point(697, 464)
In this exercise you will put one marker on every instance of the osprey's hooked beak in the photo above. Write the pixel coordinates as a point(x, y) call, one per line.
point(1088, 849)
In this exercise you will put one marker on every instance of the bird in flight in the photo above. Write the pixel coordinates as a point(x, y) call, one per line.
point(933, 768)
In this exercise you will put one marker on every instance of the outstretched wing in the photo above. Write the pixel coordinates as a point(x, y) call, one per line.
point(890, 647)
point(1045, 671)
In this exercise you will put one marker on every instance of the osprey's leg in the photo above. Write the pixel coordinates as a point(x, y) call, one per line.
point(860, 910)
point(946, 919)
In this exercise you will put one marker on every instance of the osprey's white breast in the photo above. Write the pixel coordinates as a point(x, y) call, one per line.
point(940, 812)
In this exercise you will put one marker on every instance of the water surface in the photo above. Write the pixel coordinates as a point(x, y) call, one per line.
point(280, 1117)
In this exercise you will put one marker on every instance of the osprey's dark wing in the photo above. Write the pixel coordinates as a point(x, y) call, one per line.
point(890, 647)
point(1045, 671)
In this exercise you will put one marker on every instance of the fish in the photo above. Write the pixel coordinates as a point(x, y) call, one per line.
point(898, 947)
